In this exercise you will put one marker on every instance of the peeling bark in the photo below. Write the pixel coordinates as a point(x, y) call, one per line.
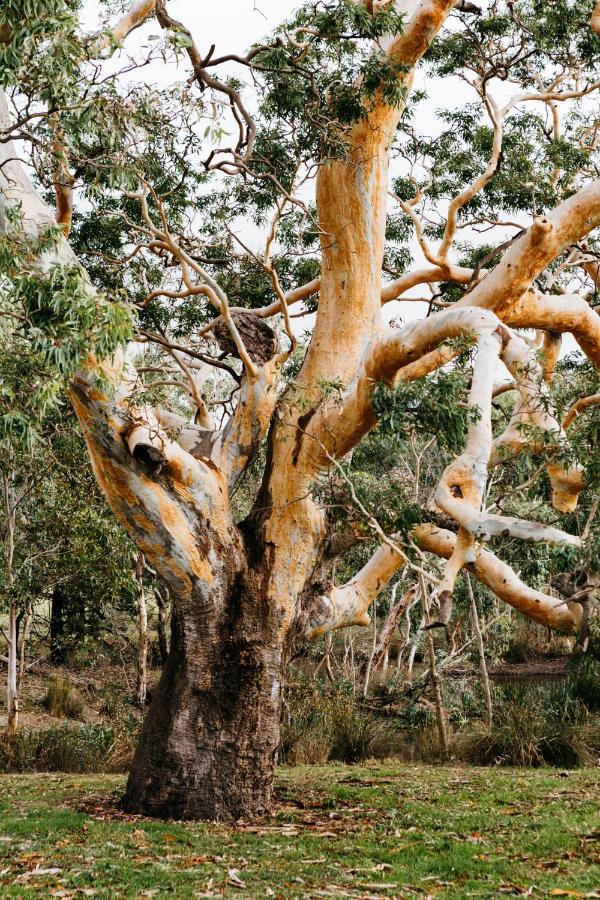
point(245, 595)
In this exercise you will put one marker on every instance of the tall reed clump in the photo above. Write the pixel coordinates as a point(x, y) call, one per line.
point(328, 722)
point(539, 724)
point(69, 748)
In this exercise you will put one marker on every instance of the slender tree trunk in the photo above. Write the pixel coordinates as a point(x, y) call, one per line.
point(372, 654)
point(142, 658)
point(22, 641)
point(435, 678)
point(57, 626)
point(385, 663)
point(163, 641)
point(387, 631)
point(411, 657)
point(489, 709)
point(12, 687)
point(405, 637)
point(12, 690)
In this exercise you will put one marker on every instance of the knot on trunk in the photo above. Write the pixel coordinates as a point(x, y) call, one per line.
point(259, 338)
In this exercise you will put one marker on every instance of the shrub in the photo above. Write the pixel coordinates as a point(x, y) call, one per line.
point(358, 735)
point(62, 700)
point(68, 748)
point(330, 723)
point(584, 677)
point(534, 725)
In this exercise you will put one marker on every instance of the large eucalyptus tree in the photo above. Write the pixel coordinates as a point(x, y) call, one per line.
point(181, 218)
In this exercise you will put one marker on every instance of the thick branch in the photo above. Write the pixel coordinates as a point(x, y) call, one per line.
point(238, 443)
point(505, 584)
point(558, 313)
point(349, 604)
point(351, 202)
point(549, 235)
point(595, 21)
point(578, 407)
point(136, 16)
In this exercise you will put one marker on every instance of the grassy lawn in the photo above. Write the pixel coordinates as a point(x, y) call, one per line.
point(338, 831)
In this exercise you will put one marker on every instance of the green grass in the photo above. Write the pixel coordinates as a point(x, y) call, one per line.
point(338, 831)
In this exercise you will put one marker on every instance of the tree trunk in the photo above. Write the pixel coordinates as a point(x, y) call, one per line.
point(210, 739)
point(57, 626)
point(12, 650)
point(489, 708)
point(22, 641)
point(161, 627)
point(142, 660)
point(440, 712)
point(12, 691)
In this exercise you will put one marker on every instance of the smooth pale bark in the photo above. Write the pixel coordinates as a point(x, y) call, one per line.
point(559, 313)
point(532, 411)
point(12, 687)
point(24, 634)
point(548, 236)
point(12, 649)
point(595, 21)
point(349, 604)
point(440, 712)
point(504, 583)
point(578, 407)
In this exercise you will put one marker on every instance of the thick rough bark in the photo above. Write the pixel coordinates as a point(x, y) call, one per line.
point(210, 740)
point(161, 627)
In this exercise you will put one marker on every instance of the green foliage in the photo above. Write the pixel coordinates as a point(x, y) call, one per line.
point(65, 525)
point(66, 748)
point(329, 723)
point(434, 406)
point(43, 53)
point(51, 320)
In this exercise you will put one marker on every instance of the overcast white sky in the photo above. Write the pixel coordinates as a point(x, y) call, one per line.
point(233, 25)
point(230, 24)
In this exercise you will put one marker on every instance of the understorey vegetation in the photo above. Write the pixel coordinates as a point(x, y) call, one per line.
point(299, 392)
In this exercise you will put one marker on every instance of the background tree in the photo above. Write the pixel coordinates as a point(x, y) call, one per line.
point(157, 250)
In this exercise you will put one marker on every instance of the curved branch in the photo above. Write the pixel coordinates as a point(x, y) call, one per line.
point(136, 16)
point(471, 190)
point(504, 583)
point(530, 421)
point(529, 255)
point(349, 603)
point(558, 313)
point(578, 407)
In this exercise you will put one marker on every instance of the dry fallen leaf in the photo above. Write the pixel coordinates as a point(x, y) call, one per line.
point(234, 879)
